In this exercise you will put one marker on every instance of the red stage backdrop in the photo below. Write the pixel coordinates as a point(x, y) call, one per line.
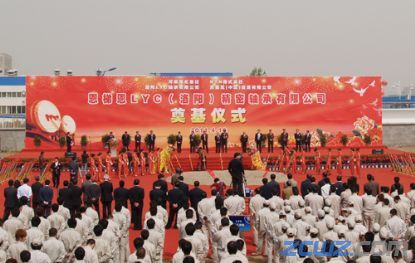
point(93, 106)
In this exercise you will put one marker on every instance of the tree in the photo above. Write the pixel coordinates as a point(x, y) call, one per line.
point(256, 72)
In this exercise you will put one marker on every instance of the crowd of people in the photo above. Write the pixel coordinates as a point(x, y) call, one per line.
point(90, 221)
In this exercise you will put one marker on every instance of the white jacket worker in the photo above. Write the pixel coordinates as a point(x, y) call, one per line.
point(402, 208)
point(5, 238)
point(262, 228)
point(92, 214)
point(255, 204)
point(221, 236)
point(36, 254)
point(63, 211)
point(314, 201)
point(321, 224)
point(159, 224)
point(383, 212)
point(121, 220)
point(190, 218)
point(149, 247)
point(233, 254)
point(295, 200)
point(13, 223)
point(44, 225)
point(181, 214)
point(234, 229)
point(82, 228)
point(269, 220)
point(357, 202)
point(199, 234)
point(185, 249)
point(235, 204)
point(277, 201)
point(330, 234)
point(157, 212)
point(301, 226)
point(70, 237)
point(87, 221)
point(34, 233)
point(369, 214)
point(16, 248)
point(90, 254)
point(309, 218)
point(112, 239)
point(102, 246)
point(56, 220)
point(335, 201)
point(26, 212)
point(197, 246)
point(156, 239)
point(53, 247)
point(396, 225)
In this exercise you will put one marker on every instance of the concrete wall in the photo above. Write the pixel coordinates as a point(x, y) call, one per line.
point(12, 140)
point(398, 127)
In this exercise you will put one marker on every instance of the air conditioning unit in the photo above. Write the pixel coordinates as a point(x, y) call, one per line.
point(5, 63)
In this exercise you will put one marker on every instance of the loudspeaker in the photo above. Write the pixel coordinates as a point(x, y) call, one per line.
point(377, 151)
point(70, 154)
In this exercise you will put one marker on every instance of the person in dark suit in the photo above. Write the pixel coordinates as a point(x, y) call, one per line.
point(258, 140)
point(136, 201)
point(46, 197)
point(224, 140)
point(75, 194)
point(185, 189)
point(158, 196)
point(137, 140)
point(196, 195)
point(36, 186)
point(93, 194)
point(218, 142)
point(56, 172)
point(73, 169)
point(10, 199)
point(126, 139)
point(275, 186)
point(85, 186)
point(237, 172)
point(298, 139)
point(270, 139)
point(306, 185)
point(244, 141)
point(161, 182)
point(339, 185)
point(106, 197)
point(267, 191)
point(372, 185)
point(204, 138)
point(175, 199)
point(192, 138)
point(307, 141)
point(121, 194)
point(64, 194)
point(69, 142)
point(284, 139)
point(179, 142)
point(151, 140)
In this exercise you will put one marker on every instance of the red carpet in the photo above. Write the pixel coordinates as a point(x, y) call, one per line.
point(383, 176)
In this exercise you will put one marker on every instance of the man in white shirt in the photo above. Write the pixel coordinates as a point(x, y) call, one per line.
point(396, 225)
point(24, 190)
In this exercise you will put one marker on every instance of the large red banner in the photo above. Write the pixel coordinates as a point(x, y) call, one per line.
point(95, 105)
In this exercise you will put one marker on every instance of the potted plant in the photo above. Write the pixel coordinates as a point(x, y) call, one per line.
point(172, 139)
point(197, 140)
point(84, 141)
point(367, 139)
point(344, 140)
point(37, 141)
point(322, 137)
point(62, 141)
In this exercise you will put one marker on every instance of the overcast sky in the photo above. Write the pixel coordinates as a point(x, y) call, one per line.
point(311, 37)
